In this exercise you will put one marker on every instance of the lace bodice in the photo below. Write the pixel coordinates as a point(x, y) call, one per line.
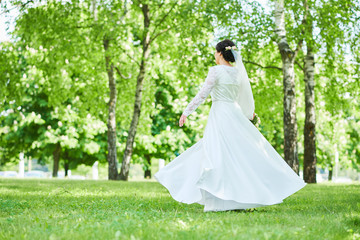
point(221, 82)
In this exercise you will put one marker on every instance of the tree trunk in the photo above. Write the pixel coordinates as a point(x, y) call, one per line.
point(111, 124)
point(290, 124)
point(125, 166)
point(288, 58)
point(330, 173)
point(147, 173)
point(66, 167)
point(56, 157)
point(310, 120)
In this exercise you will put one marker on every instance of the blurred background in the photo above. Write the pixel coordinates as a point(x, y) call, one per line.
point(94, 89)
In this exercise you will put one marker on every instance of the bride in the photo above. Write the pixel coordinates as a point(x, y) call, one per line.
point(233, 166)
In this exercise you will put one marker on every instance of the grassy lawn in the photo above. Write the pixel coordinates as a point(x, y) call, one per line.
point(71, 209)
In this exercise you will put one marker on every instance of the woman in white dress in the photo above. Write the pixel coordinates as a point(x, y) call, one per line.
point(233, 166)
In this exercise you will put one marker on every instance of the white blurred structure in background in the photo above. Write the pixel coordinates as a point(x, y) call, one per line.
point(95, 170)
point(21, 165)
point(336, 162)
point(161, 163)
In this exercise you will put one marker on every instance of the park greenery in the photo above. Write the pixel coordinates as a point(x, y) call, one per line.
point(59, 209)
point(107, 81)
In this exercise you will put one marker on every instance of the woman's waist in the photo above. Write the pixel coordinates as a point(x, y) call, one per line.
point(223, 100)
point(217, 97)
point(224, 104)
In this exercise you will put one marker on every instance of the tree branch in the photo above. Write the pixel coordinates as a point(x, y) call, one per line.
point(259, 65)
point(297, 63)
point(125, 10)
point(303, 24)
point(158, 34)
point(152, 37)
point(21, 5)
point(130, 56)
point(122, 76)
point(88, 26)
point(298, 47)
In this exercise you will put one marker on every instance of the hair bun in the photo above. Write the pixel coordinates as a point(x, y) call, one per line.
point(225, 47)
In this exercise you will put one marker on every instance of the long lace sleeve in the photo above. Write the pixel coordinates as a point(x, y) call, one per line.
point(203, 93)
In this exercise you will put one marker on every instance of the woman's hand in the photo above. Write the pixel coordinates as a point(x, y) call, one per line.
point(253, 117)
point(182, 120)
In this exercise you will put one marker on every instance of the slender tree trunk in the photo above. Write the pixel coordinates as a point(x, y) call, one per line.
point(111, 124)
point(310, 120)
point(330, 173)
point(56, 157)
point(147, 173)
point(288, 58)
point(125, 166)
point(66, 167)
point(66, 163)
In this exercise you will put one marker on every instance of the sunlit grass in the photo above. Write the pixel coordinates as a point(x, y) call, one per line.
point(72, 209)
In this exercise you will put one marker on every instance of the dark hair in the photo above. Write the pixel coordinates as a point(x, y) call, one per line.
point(220, 47)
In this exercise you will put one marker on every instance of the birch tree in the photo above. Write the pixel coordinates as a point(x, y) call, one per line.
point(288, 57)
point(159, 19)
point(146, 40)
point(334, 19)
point(310, 119)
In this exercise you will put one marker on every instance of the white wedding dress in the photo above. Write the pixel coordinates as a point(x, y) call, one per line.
point(233, 166)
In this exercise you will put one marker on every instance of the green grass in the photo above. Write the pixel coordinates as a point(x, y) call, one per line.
point(70, 209)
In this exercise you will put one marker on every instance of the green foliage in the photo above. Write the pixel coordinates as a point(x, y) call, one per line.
point(11, 71)
point(54, 74)
point(34, 127)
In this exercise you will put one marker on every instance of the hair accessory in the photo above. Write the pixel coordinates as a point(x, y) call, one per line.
point(229, 48)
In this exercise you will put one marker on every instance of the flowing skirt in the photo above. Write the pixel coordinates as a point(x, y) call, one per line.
point(232, 167)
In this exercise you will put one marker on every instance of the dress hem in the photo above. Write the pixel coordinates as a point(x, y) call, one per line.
point(224, 198)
